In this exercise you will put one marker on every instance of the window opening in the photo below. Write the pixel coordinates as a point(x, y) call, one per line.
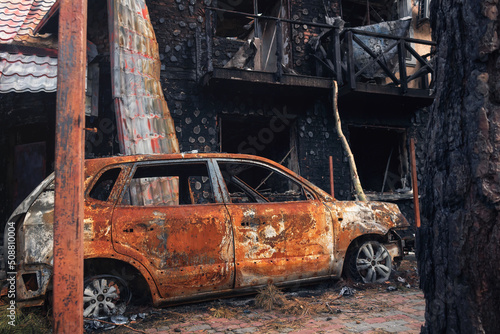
point(257, 37)
point(250, 183)
point(382, 158)
point(169, 184)
point(103, 187)
point(361, 13)
point(423, 11)
point(265, 137)
point(240, 26)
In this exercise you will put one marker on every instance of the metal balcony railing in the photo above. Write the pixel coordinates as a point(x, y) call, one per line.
point(350, 38)
point(338, 52)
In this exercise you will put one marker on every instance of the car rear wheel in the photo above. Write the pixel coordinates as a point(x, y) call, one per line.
point(370, 263)
point(105, 295)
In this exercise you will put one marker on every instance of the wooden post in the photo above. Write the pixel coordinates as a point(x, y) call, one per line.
point(279, 50)
point(414, 182)
point(351, 75)
point(209, 22)
point(402, 66)
point(332, 188)
point(69, 171)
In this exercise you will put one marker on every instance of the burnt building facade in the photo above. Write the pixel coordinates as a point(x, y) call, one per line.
point(227, 93)
point(256, 77)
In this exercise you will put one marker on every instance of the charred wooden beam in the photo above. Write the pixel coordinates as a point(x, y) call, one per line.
point(69, 159)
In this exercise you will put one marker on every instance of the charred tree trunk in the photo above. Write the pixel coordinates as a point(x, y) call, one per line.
point(459, 242)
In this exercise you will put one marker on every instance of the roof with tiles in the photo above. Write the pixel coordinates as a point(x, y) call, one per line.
point(27, 73)
point(19, 18)
point(25, 69)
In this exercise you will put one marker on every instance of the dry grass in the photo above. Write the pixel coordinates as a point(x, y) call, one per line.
point(222, 312)
point(32, 320)
point(270, 298)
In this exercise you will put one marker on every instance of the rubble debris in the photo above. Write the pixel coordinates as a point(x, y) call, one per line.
point(119, 319)
point(347, 291)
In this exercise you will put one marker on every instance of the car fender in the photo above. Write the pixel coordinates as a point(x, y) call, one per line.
point(354, 218)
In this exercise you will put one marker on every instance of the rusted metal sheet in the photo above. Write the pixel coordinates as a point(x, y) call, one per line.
point(188, 251)
point(279, 242)
point(19, 18)
point(69, 161)
point(144, 121)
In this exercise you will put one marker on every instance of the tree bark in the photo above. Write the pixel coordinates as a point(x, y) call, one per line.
point(458, 246)
point(360, 194)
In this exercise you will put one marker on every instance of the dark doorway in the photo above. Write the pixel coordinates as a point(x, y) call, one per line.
point(381, 158)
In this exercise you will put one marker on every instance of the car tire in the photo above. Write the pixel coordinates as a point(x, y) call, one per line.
point(105, 295)
point(370, 262)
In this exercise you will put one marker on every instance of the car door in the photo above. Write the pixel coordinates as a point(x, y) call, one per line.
point(172, 219)
point(282, 232)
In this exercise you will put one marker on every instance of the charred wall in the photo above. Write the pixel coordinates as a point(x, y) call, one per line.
point(103, 140)
point(202, 114)
point(26, 145)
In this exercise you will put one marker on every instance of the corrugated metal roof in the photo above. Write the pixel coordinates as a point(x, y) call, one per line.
point(144, 121)
point(19, 18)
point(27, 73)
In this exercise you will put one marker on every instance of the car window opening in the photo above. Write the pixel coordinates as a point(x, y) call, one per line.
point(249, 183)
point(103, 187)
point(173, 184)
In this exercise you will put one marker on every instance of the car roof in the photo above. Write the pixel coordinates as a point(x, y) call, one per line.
point(174, 156)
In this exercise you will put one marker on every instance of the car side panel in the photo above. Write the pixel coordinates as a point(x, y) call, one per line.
point(280, 242)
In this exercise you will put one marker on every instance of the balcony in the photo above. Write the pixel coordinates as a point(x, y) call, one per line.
point(268, 55)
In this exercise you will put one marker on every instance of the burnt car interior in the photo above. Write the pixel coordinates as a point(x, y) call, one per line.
point(250, 183)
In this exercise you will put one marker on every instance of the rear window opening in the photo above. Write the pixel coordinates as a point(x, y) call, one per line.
point(103, 187)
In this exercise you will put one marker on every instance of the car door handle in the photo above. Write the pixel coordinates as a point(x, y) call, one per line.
point(252, 223)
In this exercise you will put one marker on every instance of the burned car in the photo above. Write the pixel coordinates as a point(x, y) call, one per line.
point(183, 227)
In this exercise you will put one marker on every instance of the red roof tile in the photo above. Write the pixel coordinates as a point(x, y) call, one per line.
point(19, 18)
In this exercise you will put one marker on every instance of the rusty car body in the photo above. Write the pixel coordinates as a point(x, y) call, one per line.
point(194, 226)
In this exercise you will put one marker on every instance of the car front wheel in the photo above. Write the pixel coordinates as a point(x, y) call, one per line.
point(370, 263)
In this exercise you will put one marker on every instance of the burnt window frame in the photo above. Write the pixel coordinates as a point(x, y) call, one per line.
point(115, 191)
point(424, 13)
point(212, 178)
